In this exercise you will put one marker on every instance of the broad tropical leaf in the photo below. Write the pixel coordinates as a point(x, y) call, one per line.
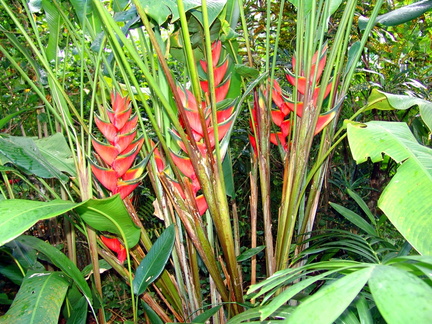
point(400, 296)
point(329, 302)
point(39, 299)
point(387, 101)
point(59, 259)
point(407, 198)
point(24, 153)
point(400, 15)
point(56, 150)
point(18, 215)
point(110, 215)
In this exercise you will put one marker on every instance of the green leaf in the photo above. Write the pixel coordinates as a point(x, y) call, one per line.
point(54, 21)
point(154, 262)
point(110, 215)
point(18, 215)
point(206, 315)
point(39, 299)
point(400, 15)
point(161, 10)
point(250, 253)
point(228, 175)
point(400, 296)
point(6, 119)
point(79, 312)
point(331, 300)
point(56, 150)
point(246, 71)
point(407, 198)
point(24, 153)
point(387, 101)
point(84, 10)
point(59, 260)
point(333, 5)
point(355, 219)
point(151, 314)
point(362, 205)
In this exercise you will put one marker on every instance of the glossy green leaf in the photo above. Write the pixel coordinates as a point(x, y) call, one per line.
point(79, 312)
point(407, 198)
point(59, 259)
point(250, 253)
point(228, 175)
point(24, 153)
point(18, 215)
point(84, 10)
point(56, 150)
point(329, 302)
point(39, 299)
point(355, 219)
point(111, 215)
point(154, 262)
point(387, 101)
point(400, 296)
point(151, 314)
point(54, 21)
point(400, 15)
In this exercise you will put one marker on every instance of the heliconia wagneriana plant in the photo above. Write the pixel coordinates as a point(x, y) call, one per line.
point(285, 106)
point(118, 153)
point(119, 175)
point(203, 131)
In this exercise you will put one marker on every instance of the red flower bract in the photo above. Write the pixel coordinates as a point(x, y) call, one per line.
point(120, 149)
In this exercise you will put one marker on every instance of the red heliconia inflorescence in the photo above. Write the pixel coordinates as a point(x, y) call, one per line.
point(120, 149)
point(281, 116)
point(223, 123)
point(118, 153)
point(114, 245)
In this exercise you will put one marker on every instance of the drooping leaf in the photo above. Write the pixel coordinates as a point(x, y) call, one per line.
point(18, 215)
point(329, 302)
point(39, 299)
point(59, 259)
point(154, 262)
point(400, 15)
point(110, 215)
point(407, 198)
point(24, 153)
point(400, 296)
point(387, 101)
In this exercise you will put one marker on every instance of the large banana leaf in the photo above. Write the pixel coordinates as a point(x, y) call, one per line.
point(388, 101)
point(407, 198)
